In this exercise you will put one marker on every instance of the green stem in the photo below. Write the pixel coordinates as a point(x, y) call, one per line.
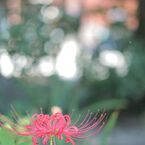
point(51, 141)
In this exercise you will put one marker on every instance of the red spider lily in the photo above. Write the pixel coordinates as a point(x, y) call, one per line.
point(58, 125)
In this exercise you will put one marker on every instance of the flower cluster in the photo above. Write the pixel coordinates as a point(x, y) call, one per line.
point(46, 127)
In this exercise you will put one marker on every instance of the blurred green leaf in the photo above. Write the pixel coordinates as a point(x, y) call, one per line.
point(108, 128)
point(6, 137)
point(109, 104)
point(9, 138)
point(24, 141)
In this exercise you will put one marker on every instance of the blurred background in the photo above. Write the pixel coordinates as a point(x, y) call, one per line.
point(76, 55)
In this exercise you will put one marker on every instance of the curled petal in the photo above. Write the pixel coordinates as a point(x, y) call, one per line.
point(68, 139)
point(45, 140)
point(34, 140)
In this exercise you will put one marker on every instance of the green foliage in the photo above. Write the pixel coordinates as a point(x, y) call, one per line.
point(6, 137)
point(108, 128)
point(111, 104)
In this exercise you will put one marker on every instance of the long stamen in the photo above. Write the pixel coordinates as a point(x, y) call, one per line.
point(77, 120)
point(84, 119)
point(89, 126)
point(86, 122)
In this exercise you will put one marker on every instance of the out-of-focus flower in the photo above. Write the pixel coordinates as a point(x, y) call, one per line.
point(47, 127)
point(1, 123)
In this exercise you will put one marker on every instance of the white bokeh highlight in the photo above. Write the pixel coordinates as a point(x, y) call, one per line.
point(66, 65)
point(6, 65)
